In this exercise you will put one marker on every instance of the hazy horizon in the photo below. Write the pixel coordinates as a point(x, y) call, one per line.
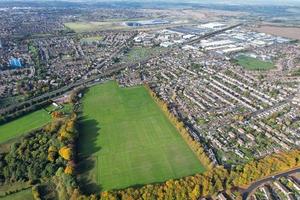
point(229, 2)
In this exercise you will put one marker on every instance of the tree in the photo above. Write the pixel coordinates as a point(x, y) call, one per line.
point(66, 153)
point(69, 169)
point(35, 192)
point(52, 156)
point(194, 145)
point(56, 114)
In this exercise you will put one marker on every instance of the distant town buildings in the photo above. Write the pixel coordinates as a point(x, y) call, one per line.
point(15, 63)
point(237, 114)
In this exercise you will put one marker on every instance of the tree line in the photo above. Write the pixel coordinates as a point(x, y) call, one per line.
point(207, 184)
point(49, 154)
point(197, 148)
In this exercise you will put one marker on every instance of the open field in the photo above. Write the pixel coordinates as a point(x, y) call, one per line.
point(91, 39)
point(23, 125)
point(140, 53)
point(22, 195)
point(126, 140)
point(23, 188)
point(250, 63)
point(92, 26)
point(26, 123)
point(289, 32)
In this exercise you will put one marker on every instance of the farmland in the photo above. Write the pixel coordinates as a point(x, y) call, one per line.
point(289, 32)
point(250, 63)
point(126, 140)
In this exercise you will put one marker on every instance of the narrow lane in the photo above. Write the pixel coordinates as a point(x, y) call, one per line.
point(256, 184)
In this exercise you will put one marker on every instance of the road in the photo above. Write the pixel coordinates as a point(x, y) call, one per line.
point(53, 94)
point(256, 184)
point(212, 34)
point(36, 100)
point(287, 100)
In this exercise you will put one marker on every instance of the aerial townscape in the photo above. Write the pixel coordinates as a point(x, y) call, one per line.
point(149, 100)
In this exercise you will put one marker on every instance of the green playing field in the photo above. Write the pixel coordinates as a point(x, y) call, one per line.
point(250, 63)
point(22, 195)
point(23, 125)
point(27, 123)
point(130, 140)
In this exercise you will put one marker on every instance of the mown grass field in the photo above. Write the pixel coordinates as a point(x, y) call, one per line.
point(80, 27)
point(22, 195)
point(250, 63)
point(91, 39)
point(140, 53)
point(108, 24)
point(83, 26)
point(129, 140)
point(27, 123)
point(23, 125)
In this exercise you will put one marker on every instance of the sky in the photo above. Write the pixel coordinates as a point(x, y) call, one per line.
point(261, 2)
point(216, 1)
point(271, 2)
point(282, 2)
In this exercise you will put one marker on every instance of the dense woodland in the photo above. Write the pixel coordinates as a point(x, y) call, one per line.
point(32, 150)
point(42, 154)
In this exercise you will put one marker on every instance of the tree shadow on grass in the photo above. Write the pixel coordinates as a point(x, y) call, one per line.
point(86, 172)
point(48, 191)
point(88, 135)
point(87, 146)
